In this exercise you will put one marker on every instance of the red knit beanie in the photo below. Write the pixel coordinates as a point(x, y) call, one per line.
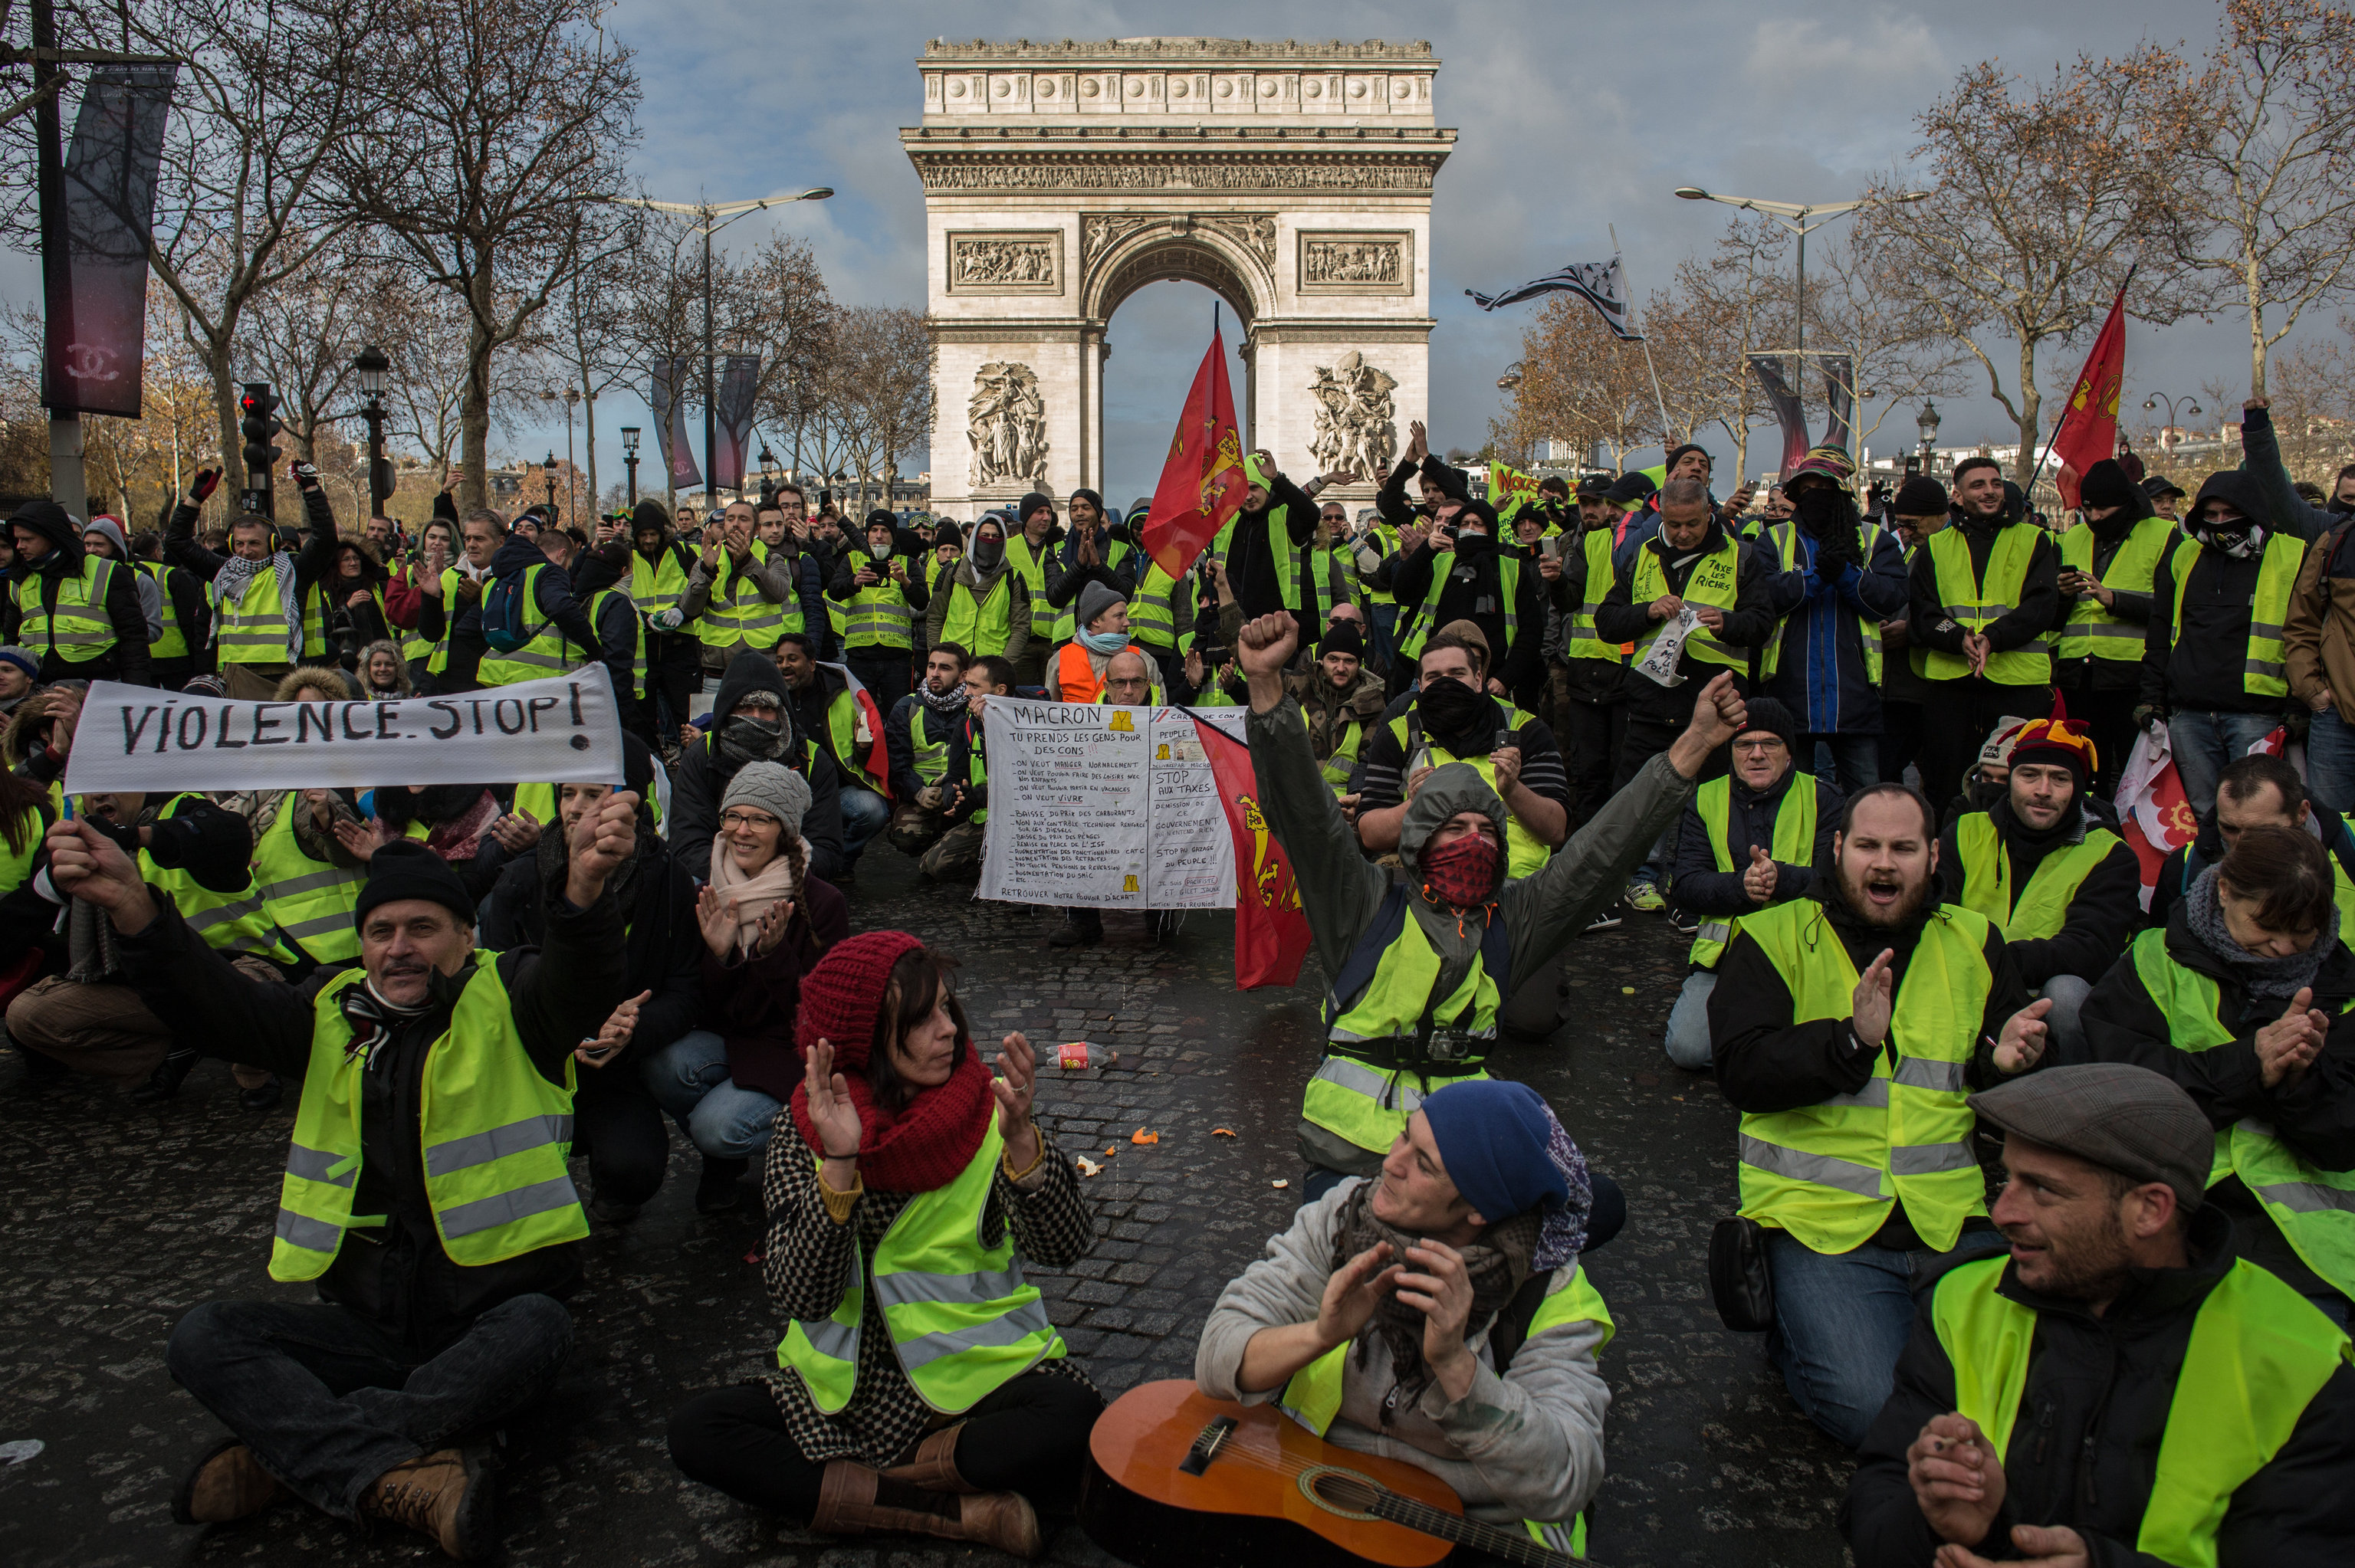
point(841, 997)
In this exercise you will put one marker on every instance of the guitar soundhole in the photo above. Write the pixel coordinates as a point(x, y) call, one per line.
point(1345, 1492)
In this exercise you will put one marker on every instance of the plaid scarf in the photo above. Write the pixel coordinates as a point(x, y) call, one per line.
point(236, 574)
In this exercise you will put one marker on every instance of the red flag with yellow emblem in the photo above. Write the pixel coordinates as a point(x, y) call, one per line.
point(2089, 425)
point(1202, 482)
point(1270, 928)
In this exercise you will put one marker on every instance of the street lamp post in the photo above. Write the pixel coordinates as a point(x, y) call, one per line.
point(707, 211)
point(630, 461)
point(1927, 421)
point(547, 471)
point(1795, 215)
point(2167, 437)
point(372, 365)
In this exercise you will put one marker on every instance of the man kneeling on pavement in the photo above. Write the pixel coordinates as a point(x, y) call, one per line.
point(425, 1188)
point(2122, 1388)
point(1435, 1313)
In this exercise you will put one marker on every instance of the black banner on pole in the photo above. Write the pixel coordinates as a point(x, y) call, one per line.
point(1786, 403)
point(1840, 398)
point(736, 384)
point(110, 198)
point(670, 421)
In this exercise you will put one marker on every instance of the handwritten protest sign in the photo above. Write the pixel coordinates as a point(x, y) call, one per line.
point(564, 730)
point(1660, 663)
point(1103, 806)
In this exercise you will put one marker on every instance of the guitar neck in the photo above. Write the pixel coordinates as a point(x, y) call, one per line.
point(1505, 1544)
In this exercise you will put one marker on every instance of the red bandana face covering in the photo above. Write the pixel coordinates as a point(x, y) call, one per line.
point(1465, 873)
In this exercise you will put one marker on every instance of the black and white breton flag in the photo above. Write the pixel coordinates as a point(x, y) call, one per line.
point(1599, 284)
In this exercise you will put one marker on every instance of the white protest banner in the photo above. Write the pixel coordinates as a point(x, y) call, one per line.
point(1103, 806)
point(1660, 663)
point(562, 730)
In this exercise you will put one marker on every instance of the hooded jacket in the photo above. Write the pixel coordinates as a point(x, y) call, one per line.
point(1474, 591)
point(552, 590)
point(979, 585)
point(2106, 484)
point(704, 773)
point(126, 612)
point(2205, 671)
point(2090, 1418)
point(1929, 626)
point(1252, 569)
point(1819, 673)
point(151, 592)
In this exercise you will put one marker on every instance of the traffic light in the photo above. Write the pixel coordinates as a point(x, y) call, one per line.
point(260, 406)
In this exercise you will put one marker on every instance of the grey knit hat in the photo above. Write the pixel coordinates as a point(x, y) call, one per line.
point(1094, 600)
point(772, 787)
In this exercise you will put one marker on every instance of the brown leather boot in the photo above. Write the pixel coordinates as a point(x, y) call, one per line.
point(934, 1467)
point(226, 1485)
point(445, 1495)
point(847, 1506)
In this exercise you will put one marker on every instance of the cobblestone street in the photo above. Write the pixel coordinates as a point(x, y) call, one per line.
point(119, 1218)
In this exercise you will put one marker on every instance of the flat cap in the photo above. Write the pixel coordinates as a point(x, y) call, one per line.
point(2124, 1119)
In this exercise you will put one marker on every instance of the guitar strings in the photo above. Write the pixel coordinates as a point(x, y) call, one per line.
point(1494, 1538)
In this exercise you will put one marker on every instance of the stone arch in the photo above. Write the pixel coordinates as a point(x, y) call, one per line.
point(1179, 249)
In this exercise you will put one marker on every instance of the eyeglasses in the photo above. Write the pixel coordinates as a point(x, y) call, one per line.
point(1769, 744)
point(734, 820)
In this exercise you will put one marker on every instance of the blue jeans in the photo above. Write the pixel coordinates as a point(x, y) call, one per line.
point(1855, 761)
point(2204, 743)
point(1687, 1040)
point(864, 814)
point(2330, 761)
point(2064, 1018)
point(1840, 1321)
point(689, 1078)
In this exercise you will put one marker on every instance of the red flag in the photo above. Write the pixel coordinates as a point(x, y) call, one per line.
point(1271, 929)
point(2089, 425)
point(2154, 817)
point(1202, 482)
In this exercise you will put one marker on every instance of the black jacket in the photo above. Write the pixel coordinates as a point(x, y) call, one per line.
point(939, 729)
point(1252, 567)
point(1702, 889)
point(2183, 866)
point(2104, 914)
point(1474, 591)
point(2110, 536)
point(1928, 625)
point(2313, 1114)
point(1066, 576)
point(127, 661)
point(1620, 618)
point(2085, 1445)
point(2205, 671)
point(700, 781)
point(399, 1276)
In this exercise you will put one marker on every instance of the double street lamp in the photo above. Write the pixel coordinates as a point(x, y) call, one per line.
point(1801, 218)
point(725, 212)
point(547, 471)
point(2169, 436)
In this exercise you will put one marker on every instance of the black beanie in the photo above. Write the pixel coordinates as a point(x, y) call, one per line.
point(1630, 487)
point(1769, 714)
point(1030, 504)
point(2106, 484)
point(1479, 512)
point(407, 869)
point(1091, 497)
point(1676, 452)
point(1343, 637)
point(1920, 496)
point(649, 515)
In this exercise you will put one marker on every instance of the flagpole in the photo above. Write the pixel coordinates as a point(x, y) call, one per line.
point(1658, 401)
point(2044, 456)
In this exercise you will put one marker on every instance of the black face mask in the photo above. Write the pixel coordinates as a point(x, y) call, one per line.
point(1820, 509)
point(987, 553)
point(746, 738)
point(1456, 717)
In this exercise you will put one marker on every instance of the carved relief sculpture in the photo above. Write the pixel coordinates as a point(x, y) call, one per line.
point(1006, 423)
point(1005, 263)
point(1354, 427)
point(1350, 262)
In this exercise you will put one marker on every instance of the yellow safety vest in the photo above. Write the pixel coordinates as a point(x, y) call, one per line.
point(738, 614)
point(1784, 538)
point(435, 652)
point(1313, 1397)
point(253, 630)
point(2038, 910)
point(932, 757)
point(493, 1135)
point(1794, 844)
point(1384, 539)
point(2091, 632)
point(77, 629)
point(542, 656)
point(1525, 853)
point(174, 643)
point(1975, 607)
point(1033, 568)
point(1161, 617)
point(981, 629)
point(595, 610)
point(2265, 669)
point(655, 588)
point(1716, 581)
point(877, 617)
point(2258, 1354)
point(311, 904)
point(963, 1320)
point(1581, 640)
point(1424, 615)
point(1829, 1173)
point(2313, 1207)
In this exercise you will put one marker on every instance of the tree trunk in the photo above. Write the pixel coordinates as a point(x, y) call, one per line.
point(2256, 338)
point(474, 409)
point(232, 448)
point(2031, 404)
point(589, 430)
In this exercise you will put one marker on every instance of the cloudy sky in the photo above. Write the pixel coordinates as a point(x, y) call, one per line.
point(1571, 117)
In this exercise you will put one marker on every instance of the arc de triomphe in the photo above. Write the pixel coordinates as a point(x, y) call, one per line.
point(1292, 179)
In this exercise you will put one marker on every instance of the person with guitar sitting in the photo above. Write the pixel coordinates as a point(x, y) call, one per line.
point(1436, 1313)
point(919, 1384)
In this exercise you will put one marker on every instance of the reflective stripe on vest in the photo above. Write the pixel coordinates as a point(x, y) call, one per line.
point(981, 629)
point(1033, 568)
point(2258, 1355)
point(310, 904)
point(1715, 580)
point(416, 645)
point(1525, 853)
point(1342, 761)
point(1581, 640)
point(1425, 616)
point(655, 588)
point(2040, 909)
point(1794, 844)
point(638, 634)
point(878, 617)
point(1384, 541)
point(739, 613)
point(225, 922)
point(932, 757)
point(253, 630)
point(1316, 1393)
point(1784, 538)
point(2091, 632)
point(493, 1138)
point(1829, 1172)
point(76, 629)
point(1161, 615)
point(1973, 606)
point(174, 642)
point(2265, 668)
point(2313, 1207)
point(1367, 1106)
point(963, 1320)
point(976, 764)
point(542, 656)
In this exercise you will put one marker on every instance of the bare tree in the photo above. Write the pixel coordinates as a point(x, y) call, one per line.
point(884, 381)
point(301, 336)
point(2267, 169)
point(1727, 307)
point(1579, 384)
point(494, 129)
point(2041, 197)
point(1897, 345)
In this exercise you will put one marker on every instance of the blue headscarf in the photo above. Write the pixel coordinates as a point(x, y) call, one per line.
point(1506, 1152)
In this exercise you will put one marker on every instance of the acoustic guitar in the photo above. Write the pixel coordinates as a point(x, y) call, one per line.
point(1177, 1479)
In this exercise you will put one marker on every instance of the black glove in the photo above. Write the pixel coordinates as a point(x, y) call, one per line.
point(2147, 714)
point(306, 478)
point(207, 480)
